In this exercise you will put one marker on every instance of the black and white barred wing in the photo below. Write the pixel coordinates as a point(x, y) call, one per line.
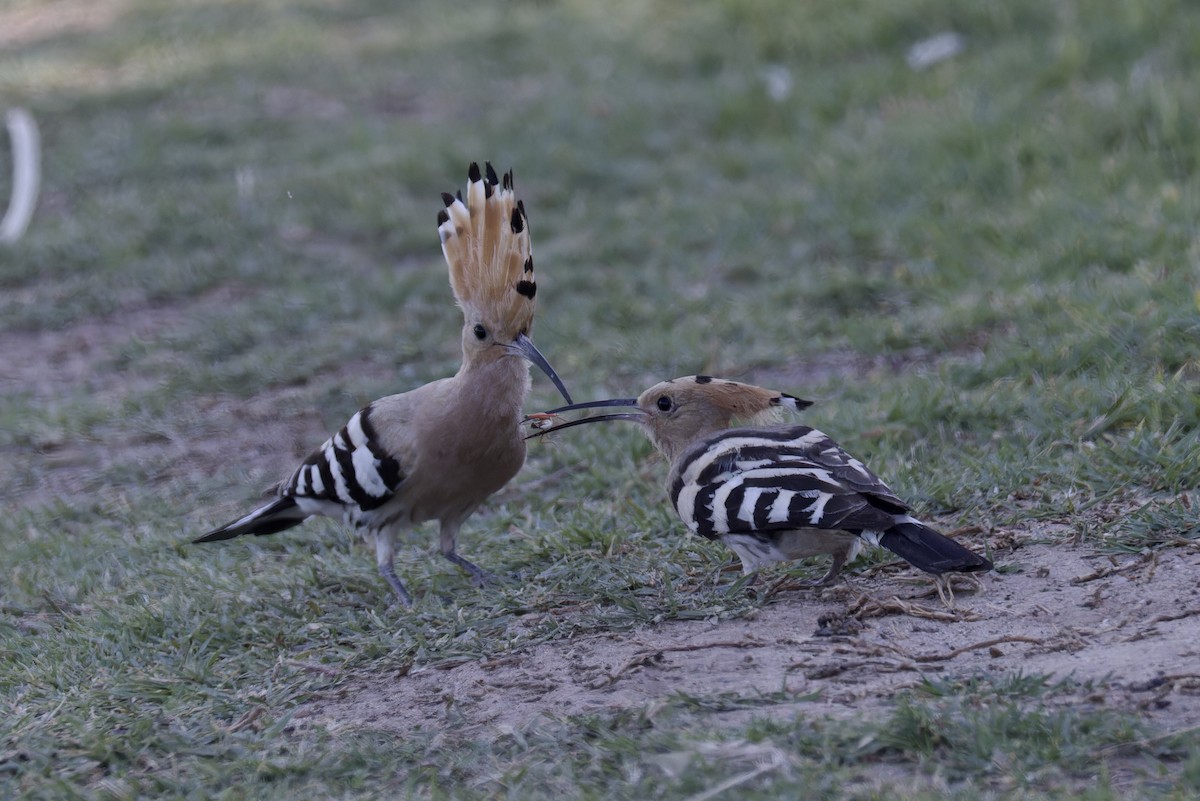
point(743, 481)
point(349, 476)
point(351, 469)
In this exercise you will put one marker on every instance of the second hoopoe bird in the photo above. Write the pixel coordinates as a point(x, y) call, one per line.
point(438, 451)
point(772, 493)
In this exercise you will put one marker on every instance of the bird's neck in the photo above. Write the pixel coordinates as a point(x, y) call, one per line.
point(673, 446)
point(668, 449)
point(495, 386)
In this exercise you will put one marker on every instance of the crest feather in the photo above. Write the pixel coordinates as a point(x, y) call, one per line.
point(485, 240)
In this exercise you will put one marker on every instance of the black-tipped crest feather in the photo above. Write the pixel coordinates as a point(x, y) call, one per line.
point(488, 252)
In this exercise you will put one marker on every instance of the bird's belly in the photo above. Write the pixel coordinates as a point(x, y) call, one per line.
point(804, 542)
point(757, 550)
point(463, 481)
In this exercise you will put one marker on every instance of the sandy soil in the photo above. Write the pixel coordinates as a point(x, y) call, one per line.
point(1131, 627)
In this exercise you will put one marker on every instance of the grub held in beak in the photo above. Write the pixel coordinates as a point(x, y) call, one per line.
point(637, 416)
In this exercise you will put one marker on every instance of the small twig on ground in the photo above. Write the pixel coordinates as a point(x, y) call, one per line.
point(1146, 628)
point(976, 646)
point(1112, 571)
point(1175, 616)
point(876, 655)
point(831, 669)
point(703, 646)
point(654, 655)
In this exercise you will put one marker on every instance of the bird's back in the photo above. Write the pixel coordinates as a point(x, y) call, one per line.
point(747, 480)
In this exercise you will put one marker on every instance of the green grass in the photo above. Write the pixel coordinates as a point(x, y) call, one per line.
point(239, 204)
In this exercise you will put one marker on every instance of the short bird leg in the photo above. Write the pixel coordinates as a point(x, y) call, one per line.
point(839, 561)
point(479, 576)
point(385, 557)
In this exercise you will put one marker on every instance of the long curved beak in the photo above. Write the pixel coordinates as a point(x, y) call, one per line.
point(600, 404)
point(524, 346)
point(636, 417)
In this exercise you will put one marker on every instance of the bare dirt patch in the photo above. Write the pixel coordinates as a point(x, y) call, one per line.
point(1128, 628)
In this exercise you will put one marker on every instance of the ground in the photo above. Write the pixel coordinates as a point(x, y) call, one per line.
point(1125, 630)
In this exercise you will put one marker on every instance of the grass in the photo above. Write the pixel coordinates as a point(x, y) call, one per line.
point(985, 272)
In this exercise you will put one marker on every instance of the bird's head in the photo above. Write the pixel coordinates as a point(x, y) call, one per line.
point(485, 240)
point(675, 413)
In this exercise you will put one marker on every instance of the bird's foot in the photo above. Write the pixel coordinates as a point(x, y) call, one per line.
point(815, 583)
point(389, 574)
point(479, 576)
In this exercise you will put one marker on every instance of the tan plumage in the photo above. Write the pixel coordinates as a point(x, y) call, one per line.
point(489, 254)
point(438, 451)
point(773, 492)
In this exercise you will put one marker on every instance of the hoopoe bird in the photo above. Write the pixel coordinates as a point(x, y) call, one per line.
point(438, 451)
point(771, 492)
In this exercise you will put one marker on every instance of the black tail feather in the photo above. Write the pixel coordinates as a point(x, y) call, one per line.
point(931, 551)
point(279, 515)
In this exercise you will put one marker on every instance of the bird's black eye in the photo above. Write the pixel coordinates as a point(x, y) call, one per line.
point(480, 332)
point(664, 403)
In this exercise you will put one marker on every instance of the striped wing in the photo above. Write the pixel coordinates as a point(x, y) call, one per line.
point(351, 469)
point(748, 480)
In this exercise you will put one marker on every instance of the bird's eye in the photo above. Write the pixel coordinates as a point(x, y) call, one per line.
point(480, 332)
point(664, 403)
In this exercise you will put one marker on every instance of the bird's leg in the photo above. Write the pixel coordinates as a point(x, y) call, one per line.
point(840, 557)
point(385, 557)
point(479, 576)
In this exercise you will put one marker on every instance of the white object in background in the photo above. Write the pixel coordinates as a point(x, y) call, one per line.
point(23, 132)
point(778, 80)
point(935, 49)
